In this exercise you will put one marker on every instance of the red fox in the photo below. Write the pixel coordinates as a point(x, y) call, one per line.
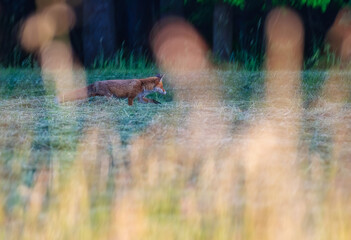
point(130, 88)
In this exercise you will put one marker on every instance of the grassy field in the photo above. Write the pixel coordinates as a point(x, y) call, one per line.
point(237, 167)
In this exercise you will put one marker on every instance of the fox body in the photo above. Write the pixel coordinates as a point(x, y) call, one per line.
point(131, 88)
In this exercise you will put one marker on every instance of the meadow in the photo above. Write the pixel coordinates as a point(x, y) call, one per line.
point(229, 165)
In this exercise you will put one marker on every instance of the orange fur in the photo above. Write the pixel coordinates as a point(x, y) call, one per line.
point(130, 89)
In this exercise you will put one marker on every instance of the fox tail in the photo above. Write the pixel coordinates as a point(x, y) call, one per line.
point(77, 94)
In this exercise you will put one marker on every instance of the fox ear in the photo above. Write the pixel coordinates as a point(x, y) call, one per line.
point(161, 77)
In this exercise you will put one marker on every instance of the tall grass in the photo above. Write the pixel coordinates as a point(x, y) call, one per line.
point(100, 170)
point(123, 60)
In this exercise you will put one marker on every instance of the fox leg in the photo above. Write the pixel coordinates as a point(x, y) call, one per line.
point(147, 100)
point(151, 101)
point(142, 99)
point(130, 101)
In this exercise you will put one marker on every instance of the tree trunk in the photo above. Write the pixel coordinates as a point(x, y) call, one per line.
point(99, 34)
point(139, 20)
point(171, 7)
point(222, 31)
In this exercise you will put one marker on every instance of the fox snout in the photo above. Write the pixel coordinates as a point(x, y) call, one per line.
point(160, 90)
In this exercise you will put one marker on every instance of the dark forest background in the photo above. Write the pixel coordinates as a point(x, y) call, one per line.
point(232, 28)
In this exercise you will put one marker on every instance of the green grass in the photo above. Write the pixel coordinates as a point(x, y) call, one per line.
point(29, 108)
point(117, 171)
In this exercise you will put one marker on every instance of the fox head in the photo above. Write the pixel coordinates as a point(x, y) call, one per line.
point(153, 84)
point(159, 85)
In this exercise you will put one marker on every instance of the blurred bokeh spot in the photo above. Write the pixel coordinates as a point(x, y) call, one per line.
point(38, 30)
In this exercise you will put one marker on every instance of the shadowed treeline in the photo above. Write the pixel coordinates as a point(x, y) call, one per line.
point(105, 31)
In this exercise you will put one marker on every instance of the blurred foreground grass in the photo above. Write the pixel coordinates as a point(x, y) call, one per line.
point(100, 169)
